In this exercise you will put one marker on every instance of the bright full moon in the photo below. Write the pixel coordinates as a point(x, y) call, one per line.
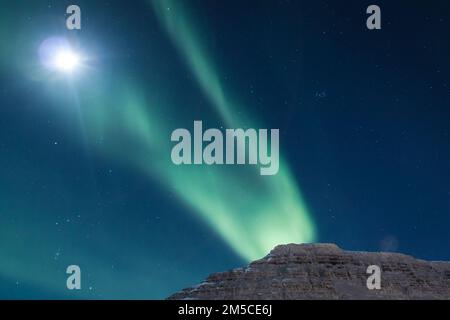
point(57, 54)
point(66, 61)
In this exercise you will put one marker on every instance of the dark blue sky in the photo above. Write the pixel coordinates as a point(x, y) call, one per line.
point(363, 115)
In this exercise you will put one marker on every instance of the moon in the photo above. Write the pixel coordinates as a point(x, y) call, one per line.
point(56, 54)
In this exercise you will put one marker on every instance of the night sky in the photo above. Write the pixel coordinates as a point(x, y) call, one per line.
point(85, 171)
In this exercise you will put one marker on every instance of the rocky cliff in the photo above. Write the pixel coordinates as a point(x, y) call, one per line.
point(324, 271)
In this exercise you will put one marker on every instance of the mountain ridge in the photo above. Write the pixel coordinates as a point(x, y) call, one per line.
point(325, 271)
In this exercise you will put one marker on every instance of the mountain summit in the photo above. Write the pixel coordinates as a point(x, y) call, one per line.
point(324, 271)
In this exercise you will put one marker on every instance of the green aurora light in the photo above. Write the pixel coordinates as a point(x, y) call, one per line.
point(129, 123)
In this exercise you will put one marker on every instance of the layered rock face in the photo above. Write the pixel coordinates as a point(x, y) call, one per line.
point(324, 271)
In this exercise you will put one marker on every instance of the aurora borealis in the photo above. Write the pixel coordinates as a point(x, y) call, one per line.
point(85, 156)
